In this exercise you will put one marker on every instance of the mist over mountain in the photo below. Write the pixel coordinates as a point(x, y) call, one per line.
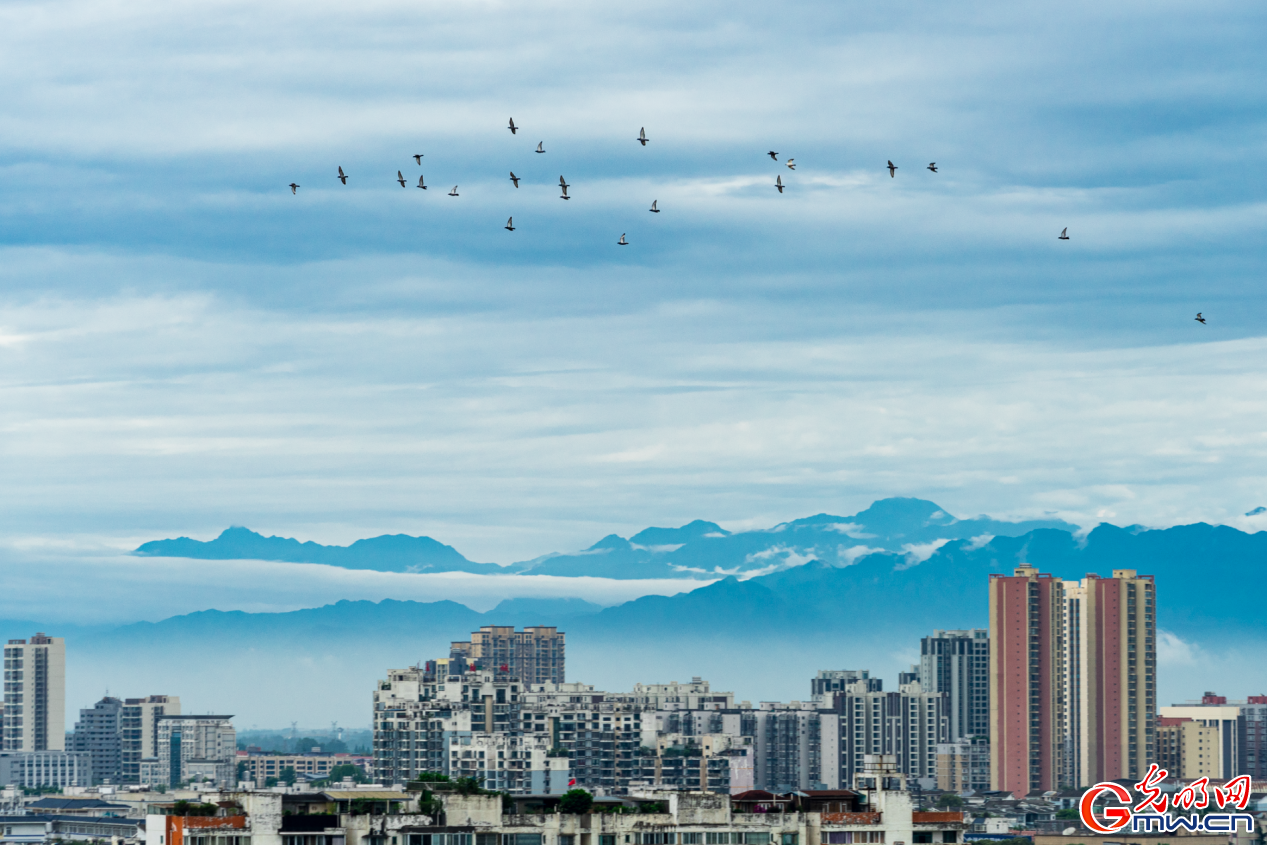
point(793, 603)
point(698, 550)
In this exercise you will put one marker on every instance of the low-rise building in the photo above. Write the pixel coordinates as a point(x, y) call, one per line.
point(42, 769)
point(37, 828)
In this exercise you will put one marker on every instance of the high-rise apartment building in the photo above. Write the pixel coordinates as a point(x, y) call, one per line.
point(35, 694)
point(1027, 681)
point(98, 734)
point(534, 655)
point(907, 725)
point(958, 664)
point(1111, 677)
point(138, 729)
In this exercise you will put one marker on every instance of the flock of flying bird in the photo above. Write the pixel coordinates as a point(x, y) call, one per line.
point(641, 139)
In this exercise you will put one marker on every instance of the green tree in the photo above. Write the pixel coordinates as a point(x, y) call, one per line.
point(470, 786)
point(576, 802)
point(1067, 813)
point(287, 776)
point(269, 783)
point(949, 801)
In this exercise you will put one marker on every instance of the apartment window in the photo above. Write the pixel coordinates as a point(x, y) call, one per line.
point(607, 839)
point(789, 839)
point(756, 839)
point(692, 839)
point(922, 837)
point(521, 839)
point(567, 839)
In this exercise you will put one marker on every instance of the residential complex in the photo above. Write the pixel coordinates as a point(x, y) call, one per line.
point(195, 748)
point(1216, 738)
point(1073, 679)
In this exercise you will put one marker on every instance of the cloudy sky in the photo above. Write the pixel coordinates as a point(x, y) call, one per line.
point(184, 345)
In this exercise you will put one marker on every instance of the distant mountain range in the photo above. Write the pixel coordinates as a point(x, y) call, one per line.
point(901, 565)
point(698, 550)
point(823, 592)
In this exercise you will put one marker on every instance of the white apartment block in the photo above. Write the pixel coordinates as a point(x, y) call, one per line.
point(35, 694)
point(196, 748)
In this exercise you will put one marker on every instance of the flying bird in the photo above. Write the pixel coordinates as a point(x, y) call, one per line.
point(541, 146)
point(653, 209)
point(510, 224)
point(622, 240)
point(400, 178)
point(932, 165)
point(420, 182)
point(791, 164)
point(418, 158)
point(778, 183)
point(1199, 318)
point(562, 182)
point(514, 178)
point(772, 154)
point(293, 186)
point(892, 169)
point(642, 136)
point(513, 128)
point(564, 195)
point(454, 192)
point(1064, 234)
point(342, 177)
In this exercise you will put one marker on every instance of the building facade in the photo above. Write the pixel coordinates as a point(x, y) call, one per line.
point(1027, 713)
point(958, 664)
point(196, 748)
point(906, 725)
point(42, 769)
point(1210, 739)
point(830, 681)
point(35, 694)
point(534, 655)
point(964, 764)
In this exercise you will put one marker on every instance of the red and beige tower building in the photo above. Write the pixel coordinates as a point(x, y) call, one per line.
point(1111, 697)
point(1073, 679)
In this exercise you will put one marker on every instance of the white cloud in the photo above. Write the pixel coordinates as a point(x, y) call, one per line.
point(850, 529)
point(978, 542)
point(1174, 652)
point(849, 555)
point(917, 553)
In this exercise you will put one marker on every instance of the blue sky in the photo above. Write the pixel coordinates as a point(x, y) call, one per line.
point(184, 345)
